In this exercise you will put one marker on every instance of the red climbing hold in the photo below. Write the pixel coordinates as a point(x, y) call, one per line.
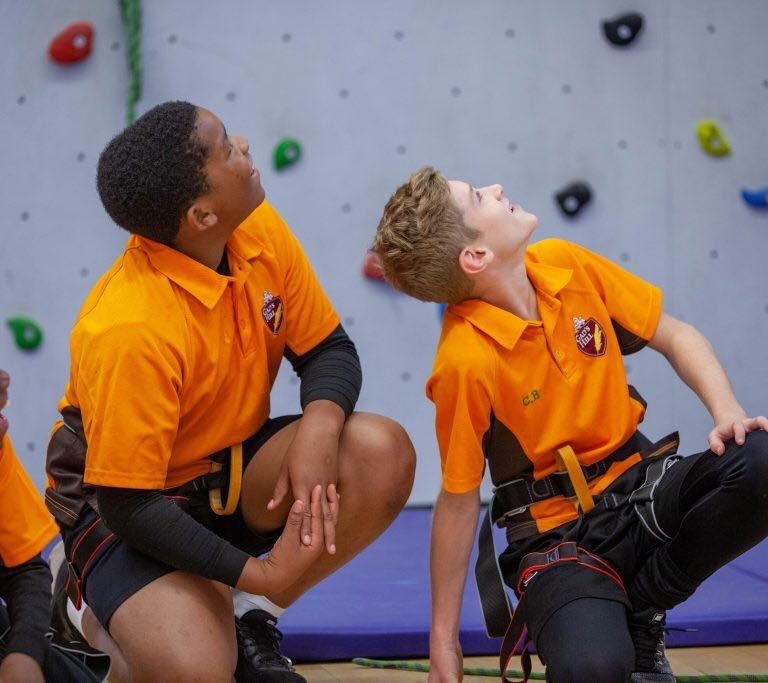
point(372, 267)
point(72, 44)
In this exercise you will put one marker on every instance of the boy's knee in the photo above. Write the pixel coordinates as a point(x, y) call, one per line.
point(386, 457)
point(750, 465)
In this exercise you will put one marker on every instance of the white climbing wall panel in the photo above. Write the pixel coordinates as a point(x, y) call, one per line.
point(526, 93)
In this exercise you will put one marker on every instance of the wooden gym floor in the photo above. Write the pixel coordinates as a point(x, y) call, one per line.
point(739, 659)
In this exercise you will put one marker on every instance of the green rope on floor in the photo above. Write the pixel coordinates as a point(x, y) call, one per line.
point(131, 12)
point(405, 665)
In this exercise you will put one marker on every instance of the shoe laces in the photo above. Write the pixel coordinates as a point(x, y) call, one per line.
point(260, 640)
point(648, 638)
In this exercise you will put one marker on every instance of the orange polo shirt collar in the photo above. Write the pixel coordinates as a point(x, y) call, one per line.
point(204, 283)
point(504, 327)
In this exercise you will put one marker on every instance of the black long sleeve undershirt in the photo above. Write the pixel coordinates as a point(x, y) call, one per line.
point(331, 370)
point(26, 590)
point(155, 525)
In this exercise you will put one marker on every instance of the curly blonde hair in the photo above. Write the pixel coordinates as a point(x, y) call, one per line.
point(420, 237)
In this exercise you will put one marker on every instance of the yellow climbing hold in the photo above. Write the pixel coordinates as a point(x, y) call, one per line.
point(712, 139)
point(26, 333)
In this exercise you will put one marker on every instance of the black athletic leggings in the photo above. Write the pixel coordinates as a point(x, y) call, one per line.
point(714, 508)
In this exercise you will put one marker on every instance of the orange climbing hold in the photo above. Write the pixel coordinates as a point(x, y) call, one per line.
point(72, 44)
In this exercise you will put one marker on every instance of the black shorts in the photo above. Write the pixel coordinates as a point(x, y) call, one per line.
point(118, 571)
point(615, 535)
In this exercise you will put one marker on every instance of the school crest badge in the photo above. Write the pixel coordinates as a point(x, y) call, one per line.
point(590, 337)
point(273, 312)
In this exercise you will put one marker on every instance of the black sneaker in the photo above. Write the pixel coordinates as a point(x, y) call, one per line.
point(258, 651)
point(651, 663)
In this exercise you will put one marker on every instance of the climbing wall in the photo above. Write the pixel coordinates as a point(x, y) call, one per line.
point(529, 94)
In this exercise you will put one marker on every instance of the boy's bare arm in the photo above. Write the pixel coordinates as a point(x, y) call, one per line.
point(453, 533)
point(695, 362)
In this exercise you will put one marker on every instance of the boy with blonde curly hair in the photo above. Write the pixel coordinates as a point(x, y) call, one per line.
point(605, 530)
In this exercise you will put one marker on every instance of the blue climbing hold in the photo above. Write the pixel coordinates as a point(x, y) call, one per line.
point(756, 198)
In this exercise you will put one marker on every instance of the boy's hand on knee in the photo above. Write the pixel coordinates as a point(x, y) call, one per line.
point(5, 381)
point(736, 428)
point(291, 556)
point(312, 459)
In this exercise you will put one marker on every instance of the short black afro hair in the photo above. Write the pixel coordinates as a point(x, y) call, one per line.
point(150, 174)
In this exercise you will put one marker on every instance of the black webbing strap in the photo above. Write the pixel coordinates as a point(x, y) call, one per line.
point(524, 491)
point(494, 601)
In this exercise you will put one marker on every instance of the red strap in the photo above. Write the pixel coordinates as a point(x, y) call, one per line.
point(532, 564)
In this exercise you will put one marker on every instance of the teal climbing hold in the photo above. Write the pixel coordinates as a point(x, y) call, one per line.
point(287, 153)
point(26, 332)
point(712, 139)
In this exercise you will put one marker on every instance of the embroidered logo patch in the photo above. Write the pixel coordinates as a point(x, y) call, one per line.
point(272, 311)
point(590, 337)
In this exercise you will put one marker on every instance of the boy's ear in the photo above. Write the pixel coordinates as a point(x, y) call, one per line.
point(200, 217)
point(474, 259)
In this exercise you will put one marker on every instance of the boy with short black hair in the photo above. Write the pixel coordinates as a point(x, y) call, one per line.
point(165, 418)
point(605, 530)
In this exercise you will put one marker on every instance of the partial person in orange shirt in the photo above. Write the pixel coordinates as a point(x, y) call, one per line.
point(605, 530)
point(26, 529)
point(168, 476)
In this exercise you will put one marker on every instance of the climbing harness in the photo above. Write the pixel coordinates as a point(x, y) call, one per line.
point(509, 508)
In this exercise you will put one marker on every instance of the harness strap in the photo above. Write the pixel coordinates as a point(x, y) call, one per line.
point(494, 601)
point(567, 460)
point(235, 482)
point(517, 637)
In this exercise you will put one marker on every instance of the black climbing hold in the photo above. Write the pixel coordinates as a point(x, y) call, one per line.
point(574, 197)
point(622, 30)
point(455, 91)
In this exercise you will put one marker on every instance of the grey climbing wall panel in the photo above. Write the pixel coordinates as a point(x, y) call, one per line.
point(526, 93)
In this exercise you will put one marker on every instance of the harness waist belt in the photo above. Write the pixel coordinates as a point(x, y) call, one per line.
point(515, 496)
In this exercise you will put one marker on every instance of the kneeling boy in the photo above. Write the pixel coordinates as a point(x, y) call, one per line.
point(528, 374)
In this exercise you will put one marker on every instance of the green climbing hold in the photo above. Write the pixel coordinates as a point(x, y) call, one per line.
point(26, 333)
point(712, 139)
point(287, 153)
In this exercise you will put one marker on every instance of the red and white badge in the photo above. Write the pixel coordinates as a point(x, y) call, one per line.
point(273, 312)
point(590, 336)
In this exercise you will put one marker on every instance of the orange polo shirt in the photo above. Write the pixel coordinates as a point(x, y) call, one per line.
point(171, 361)
point(25, 525)
point(529, 387)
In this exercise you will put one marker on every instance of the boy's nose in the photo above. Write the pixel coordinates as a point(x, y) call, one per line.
point(242, 144)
